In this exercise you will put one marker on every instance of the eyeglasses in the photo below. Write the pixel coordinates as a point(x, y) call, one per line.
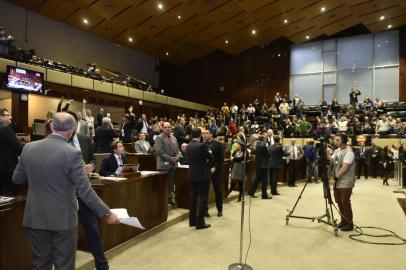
point(5, 114)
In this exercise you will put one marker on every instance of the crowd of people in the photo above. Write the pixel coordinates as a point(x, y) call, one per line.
point(252, 131)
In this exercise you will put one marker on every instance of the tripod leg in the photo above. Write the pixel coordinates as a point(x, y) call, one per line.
point(297, 201)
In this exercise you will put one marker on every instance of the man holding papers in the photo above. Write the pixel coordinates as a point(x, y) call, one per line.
point(55, 172)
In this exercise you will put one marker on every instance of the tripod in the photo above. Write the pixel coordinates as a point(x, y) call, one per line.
point(329, 215)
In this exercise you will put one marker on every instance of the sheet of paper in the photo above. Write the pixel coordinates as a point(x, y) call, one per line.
point(124, 218)
point(132, 221)
point(183, 166)
point(144, 173)
point(112, 178)
point(5, 199)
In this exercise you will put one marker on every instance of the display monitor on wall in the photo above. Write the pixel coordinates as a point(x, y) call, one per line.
point(24, 80)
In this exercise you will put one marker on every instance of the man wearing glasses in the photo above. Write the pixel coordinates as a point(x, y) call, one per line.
point(10, 149)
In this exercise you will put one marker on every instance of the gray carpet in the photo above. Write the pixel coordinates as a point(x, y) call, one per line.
point(300, 245)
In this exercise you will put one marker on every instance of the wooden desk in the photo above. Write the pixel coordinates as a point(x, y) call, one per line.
point(15, 252)
point(144, 197)
point(147, 162)
point(183, 187)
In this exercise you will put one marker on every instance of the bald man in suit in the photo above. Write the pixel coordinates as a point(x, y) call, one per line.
point(55, 173)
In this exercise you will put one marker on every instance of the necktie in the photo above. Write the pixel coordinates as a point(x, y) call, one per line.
point(294, 152)
point(120, 161)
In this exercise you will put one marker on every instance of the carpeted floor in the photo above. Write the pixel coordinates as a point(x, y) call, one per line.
point(300, 245)
point(402, 203)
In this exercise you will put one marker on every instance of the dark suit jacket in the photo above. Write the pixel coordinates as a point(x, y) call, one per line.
point(10, 149)
point(87, 149)
point(103, 139)
point(99, 119)
point(261, 155)
point(199, 161)
point(128, 126)
point(367, 154)
point(109, 165)
point(276, 156)
point(180, 134)
point(217, 151)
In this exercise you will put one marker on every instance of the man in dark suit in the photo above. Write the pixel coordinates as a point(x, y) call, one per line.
point(262, 162)
point(115, 160)
point(276, 154)
point(99, 118)
point(199, 176)
point(87, 217)
point(363, 156)
point(216, 149)
point(180, 133)
point(376, 154)
point(10, 149)
point(104, 136)
point(127, 126)
point(50, 214)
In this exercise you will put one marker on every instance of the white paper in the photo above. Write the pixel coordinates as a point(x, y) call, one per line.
point(145, 173)
point(183, 166)
point(112, 178)
point(5, 199)
point(132, 221)
point(124, 218)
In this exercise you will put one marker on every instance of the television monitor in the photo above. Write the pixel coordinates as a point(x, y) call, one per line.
point(24, 80)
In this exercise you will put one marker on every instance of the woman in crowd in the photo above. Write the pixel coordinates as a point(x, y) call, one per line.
point(238, 168)
point(387, 164)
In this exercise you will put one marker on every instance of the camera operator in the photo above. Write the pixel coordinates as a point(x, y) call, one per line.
point(343, 180)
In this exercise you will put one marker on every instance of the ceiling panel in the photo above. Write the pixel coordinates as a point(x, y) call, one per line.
point(189, 29)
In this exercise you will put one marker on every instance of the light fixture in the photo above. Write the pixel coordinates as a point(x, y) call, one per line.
point(253, 31)
point(226, 41)
point(307, 37)
point(382, 18)
point(389, 26)
point(85, 21)
point(130, 39)
point(279, 55)
point(167, 53)
point(285, 21)
point(160, 6)
point(179, 17)
point(323, 9)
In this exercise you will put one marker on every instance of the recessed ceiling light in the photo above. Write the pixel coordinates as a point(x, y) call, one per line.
point(389, 26)
point(85, 21)
point(382, 18)
point(279, 55)
point(160, 6)
point(226, 41)
point(323, 9)
point(179, 17)
point(253, 31)
point(307, 37)
point(167, 53)
point(130, 39)
point(285, 21)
